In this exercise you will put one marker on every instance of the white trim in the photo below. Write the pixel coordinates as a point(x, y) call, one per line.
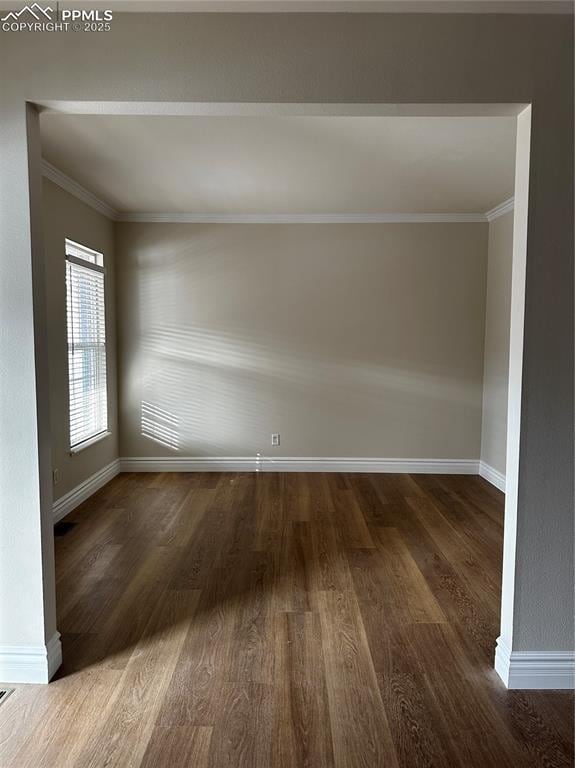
point(30, 663)
point(71, 186)
point(535, 670)
point(83, 194)
point(505, 207)
point(80, 493)
point(492, 475)
point(512, 554)
point(82, 254)
point(302, 218)
point(296, 464)
point(281, 108)
point(84, 490)
point(502, 660)
point(79, 447)
point(80, 192)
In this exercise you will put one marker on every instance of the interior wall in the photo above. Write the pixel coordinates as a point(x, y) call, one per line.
point(67, 217)
point(268, 58)
point(348, 340)
point(497, 325)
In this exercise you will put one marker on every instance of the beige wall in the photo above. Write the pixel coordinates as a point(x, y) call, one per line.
point(496, 362)
point(67, 217)
point(348, 340)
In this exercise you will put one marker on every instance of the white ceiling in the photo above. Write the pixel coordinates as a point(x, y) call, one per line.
point(286, 165)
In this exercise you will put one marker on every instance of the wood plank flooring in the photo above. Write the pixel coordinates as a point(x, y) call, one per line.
point(283, 621)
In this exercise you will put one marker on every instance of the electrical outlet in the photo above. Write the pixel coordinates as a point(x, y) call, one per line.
point(55, 476)
point(275, 440)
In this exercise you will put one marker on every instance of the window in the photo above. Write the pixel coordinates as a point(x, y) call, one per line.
point(86, 345)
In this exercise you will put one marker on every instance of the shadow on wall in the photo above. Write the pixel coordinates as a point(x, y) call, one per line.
point(226, 343)
point(200, 384)
point(160, 425)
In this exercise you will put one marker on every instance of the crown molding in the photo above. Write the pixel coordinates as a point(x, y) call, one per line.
point(71, 186)
point(505, 207)
point(301, 218)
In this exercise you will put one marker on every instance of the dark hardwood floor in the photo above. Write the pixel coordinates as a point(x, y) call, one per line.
point(274, 621)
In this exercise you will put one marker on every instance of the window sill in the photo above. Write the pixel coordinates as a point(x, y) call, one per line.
point(87, 443)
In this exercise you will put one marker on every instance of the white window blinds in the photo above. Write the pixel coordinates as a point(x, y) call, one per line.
point(86, 343)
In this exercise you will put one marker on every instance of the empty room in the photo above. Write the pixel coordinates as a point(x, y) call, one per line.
point(287, 387)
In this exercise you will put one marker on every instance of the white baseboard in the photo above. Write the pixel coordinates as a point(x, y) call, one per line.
point(80, 493)
point(296, 464)
point(492, 475)
point(30, 663)
point(535, 670)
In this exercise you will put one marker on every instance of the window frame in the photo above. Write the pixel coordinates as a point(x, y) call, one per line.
point(95, 263)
